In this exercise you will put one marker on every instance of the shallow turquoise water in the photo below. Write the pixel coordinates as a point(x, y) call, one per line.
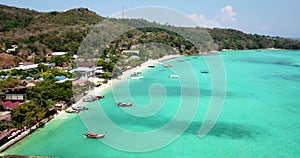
point(260, 117)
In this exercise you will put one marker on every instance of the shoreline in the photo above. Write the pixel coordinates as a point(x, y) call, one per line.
point(101, 89)
point(60, 115)
point(30, 130)
point(126, 74)
point(69, 139)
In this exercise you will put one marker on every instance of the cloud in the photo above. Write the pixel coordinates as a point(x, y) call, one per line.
point(226, 18)
point(203, 21)
point(228, 14)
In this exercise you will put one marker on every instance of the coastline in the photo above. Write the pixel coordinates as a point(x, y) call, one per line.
point(93, 92)
point(127, 73)
point(59, 116)
point(30, 130)
point(187, 144)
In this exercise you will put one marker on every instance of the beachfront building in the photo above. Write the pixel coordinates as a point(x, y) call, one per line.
point(98, 72)
point(89, 72)
point(87, 69)
point(13, 97)
point(85, 72)
point(17, 93)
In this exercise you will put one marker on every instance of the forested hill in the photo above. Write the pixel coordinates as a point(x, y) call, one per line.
point(234, 39)
point(13, 18)
point(40, 33)
point(43, 32)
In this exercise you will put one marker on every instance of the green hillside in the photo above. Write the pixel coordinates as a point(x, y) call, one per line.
point(15, 18)
point(234, 39)
point(41, 33)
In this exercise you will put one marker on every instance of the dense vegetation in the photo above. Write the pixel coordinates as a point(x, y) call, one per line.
point(37, 34)
point(233, 39)
point(41, 97)
point(13, 18)
point(74, 31)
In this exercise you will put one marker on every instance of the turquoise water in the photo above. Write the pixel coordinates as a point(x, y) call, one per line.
point(260, 116)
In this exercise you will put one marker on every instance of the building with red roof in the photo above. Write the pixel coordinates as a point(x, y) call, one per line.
point(10, 105)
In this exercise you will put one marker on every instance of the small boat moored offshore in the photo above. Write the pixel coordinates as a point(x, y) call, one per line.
point(94, 135)
point(100, 96)
point(92, 98)
point(125, 104)
point(174, 76)
point(70, 110)
point(168, 65)
point(89, 99)
point(79, 108)
point(204, 71)
point(135, 77)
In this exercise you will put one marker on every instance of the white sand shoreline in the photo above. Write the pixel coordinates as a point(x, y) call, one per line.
point(95, 91)
point(127, 73)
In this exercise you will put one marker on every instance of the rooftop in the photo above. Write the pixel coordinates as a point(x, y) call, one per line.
point(58, 53)
point(10, 105)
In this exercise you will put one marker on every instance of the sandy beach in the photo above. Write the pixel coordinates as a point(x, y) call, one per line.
point(96, 91)
point(128, 72)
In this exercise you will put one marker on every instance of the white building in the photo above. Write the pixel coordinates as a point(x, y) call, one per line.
point(14, 47)
point(27, 67)
point(58, 53)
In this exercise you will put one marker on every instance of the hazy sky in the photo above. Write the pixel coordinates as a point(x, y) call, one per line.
point(267, 17)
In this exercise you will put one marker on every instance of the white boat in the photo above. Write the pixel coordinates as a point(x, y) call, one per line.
point(135, 77)
point(70, 110)
point(94, 135)
point(168, 65)
point(174, 76)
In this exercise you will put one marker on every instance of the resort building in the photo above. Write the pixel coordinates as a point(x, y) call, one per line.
point(87, 69)
point(98, 72)
point(17, 93)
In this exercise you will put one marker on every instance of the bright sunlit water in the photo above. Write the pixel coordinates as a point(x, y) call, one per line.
point(260, 117)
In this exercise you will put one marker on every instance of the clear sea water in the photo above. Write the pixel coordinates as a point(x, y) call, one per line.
point(260, 116)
